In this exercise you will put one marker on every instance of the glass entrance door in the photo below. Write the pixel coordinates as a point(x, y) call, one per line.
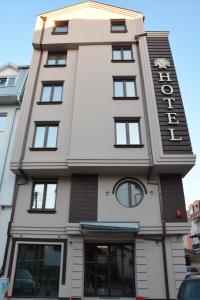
point(109, 270)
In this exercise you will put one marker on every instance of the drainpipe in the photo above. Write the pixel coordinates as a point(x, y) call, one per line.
point(22, 173)
point(157, 183)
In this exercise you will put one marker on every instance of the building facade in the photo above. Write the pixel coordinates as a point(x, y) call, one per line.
point(100, 152)
point(12, 81)
point(192, 240)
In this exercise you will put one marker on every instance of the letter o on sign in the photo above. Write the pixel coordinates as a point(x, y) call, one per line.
point(167, 89)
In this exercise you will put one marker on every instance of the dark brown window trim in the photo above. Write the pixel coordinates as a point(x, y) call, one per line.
point(128, 120)
point(41, 211)
point(45, 182)
point(60, 23)
point(49, 102)
point(129, 146)
point(55, 66)
point(118, 22)
point(126, 98)
point(58, 33)
point(119, 31)
point(43, 123)
point(124, 79)
point(43, 149)
point(119, 78)
point(36, 240)
point(57, 55)
point(51, 84)
point(123, 60)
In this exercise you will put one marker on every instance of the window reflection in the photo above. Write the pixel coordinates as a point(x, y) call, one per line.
point(37, 271)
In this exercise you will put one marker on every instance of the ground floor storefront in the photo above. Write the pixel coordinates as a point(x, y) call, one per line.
point(95, 266)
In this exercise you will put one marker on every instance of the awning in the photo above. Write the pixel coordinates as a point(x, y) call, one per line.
point(87, 228)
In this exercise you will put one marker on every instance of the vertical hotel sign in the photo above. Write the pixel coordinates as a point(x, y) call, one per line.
point(173, 126)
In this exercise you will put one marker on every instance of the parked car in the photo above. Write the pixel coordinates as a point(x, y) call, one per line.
point(190, 288)
point(191, 270)
point(24, 281)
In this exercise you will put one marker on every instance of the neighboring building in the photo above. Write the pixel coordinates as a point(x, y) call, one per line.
point(100, 152)
point(192, 240)
point(12, 81)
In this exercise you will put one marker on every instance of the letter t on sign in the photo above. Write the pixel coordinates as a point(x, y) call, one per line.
point(169, 100)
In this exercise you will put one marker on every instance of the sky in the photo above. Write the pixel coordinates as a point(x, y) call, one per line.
point(180, 17)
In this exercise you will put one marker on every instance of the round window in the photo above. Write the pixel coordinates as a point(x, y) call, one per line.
point(129, 194)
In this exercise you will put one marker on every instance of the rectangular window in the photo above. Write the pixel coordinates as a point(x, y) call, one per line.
point(122, 53)
point(124, 88)
point(46, 136)
point(52, 92)
point(7, 81)
point(118, 26)
point(3, 117)
point(56, 59)
point(44, 196)
point(61, 27)
point(127, 132)
point(37, 271)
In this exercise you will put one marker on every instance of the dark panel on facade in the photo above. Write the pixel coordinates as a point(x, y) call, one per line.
point(83, 199)
point(159, 47)
point(173, 197)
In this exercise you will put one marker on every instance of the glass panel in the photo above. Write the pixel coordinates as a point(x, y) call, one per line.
point(116, 271)
point(123, 194)
point(90, 251)
point(118, 87)
point(117, 55)
point(130, 88)
point(26, 269)
point(61, 28)
point(52, 137)
point(50, 196)
point(61, 58)
point(57, 93)
point(39, 136)
point(128, 270)
point(121, 133)
point(11, 81)
point(46, 93)
point(102, 259)
point(38, 196)
point(2, 123)
point(118, 27)
point(48, 271)
point(134, 133)
point(52, 59)
point(127, 54)
point(37, 271)
point(136, 194)
point(3, 82)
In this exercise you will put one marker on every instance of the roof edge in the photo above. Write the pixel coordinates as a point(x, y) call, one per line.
point(157, 33)
point(91, 3)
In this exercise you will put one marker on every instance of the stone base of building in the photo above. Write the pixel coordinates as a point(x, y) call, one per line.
point(92, 267)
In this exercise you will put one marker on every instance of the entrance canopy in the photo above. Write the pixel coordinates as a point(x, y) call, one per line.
point(87, 228)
